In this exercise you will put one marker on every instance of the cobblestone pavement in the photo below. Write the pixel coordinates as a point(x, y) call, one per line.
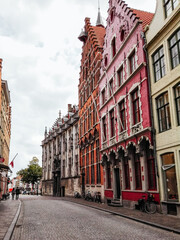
point(165, 221)
point(53, 218)
point(8, 209)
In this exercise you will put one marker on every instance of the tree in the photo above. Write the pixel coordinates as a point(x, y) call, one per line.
point(32, 173)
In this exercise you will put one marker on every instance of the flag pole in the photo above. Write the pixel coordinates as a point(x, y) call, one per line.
point(11, 163)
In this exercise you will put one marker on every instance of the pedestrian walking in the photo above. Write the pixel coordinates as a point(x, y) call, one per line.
point(17, 193)
point(13, 193)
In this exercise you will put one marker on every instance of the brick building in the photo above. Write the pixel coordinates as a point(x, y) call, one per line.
point(91, 170)
point(126, 134)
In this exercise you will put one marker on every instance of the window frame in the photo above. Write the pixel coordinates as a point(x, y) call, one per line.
point(103, 96)
point(104, 127)
point(132, 62)
point(98, 164)
point(108, 174)
point(92, 164)
point(172, 6)
point(172, 47)
point(159, 61)
point(137, 172)
point(136, 108)
point(120, 76)
point(166, 109)
point(112, 123)
point(126, 174)
point(122, 115)
point(177, 103)
point(111, 87)
point(113, 47)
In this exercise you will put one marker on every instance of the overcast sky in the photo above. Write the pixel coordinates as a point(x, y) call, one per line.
point(41, 62)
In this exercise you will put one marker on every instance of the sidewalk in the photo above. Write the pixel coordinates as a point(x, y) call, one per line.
point(8, 214)
point(166, 222)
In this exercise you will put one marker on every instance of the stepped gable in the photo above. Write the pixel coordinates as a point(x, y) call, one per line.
point(95, 33)
point(145, 17)
point(100, 32)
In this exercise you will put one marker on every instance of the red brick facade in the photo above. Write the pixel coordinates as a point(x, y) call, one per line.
point(91, 169)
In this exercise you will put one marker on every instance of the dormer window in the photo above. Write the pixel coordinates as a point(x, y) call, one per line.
point(113, 47)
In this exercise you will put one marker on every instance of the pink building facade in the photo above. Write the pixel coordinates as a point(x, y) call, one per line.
point(127, 152)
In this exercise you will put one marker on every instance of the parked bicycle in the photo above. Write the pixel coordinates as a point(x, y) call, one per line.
point(147, 205)
point(77, 195)
point(97, 197)
point(89, 197)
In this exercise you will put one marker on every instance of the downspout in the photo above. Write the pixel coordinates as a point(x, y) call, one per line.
point(153, 131)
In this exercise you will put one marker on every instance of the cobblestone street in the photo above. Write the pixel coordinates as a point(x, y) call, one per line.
point(43, 218)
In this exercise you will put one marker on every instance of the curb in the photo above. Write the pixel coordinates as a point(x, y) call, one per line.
point(128, 217)
point(12, 226)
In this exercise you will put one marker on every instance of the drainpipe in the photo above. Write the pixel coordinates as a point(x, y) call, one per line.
point(153, 131)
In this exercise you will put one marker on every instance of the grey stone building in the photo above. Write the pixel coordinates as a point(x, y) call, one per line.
point(60, 156)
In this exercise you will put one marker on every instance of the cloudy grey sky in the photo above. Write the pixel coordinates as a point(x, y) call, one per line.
point(41, 62)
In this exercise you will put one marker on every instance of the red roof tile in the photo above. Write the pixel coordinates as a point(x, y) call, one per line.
point(145, 17)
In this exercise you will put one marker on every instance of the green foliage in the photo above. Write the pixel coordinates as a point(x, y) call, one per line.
point(32, 173)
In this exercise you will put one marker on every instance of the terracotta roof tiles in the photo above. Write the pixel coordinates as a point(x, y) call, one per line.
point(145, 17)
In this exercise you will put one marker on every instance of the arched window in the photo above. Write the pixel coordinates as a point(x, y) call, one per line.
point(113, 47)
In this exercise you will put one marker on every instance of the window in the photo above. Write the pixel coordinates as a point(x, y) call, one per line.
point(87, 165)
point(92, 164)
point(122, 116)
point(132, 63)
point(170, 183)
point(108, 170)
point(177, 101)
point(94, 114)
point(103, 96)
point(174, 46)
point(169, 6)
point(104, 129)
point(151, 173)
point(137, 168)
point(120, 76)
point(126, 174)
point(113, 47)
point(89, 118)
point(69, 167)
point(76, 163)
point(111, 87)
point(112, 130)
point(98, 165)
point(63, 172)
point(159, 65)
point(105, 61)
point(112, 15)
point(83, 159)
point(163, 112)
point(135, 105)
